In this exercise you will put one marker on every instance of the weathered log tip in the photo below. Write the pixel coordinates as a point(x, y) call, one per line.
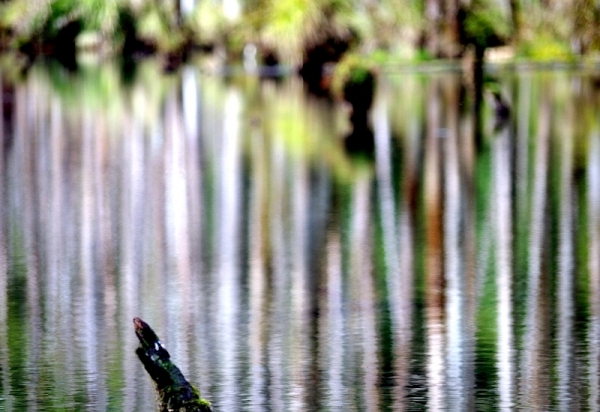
point(175, 392)
point(148, 339)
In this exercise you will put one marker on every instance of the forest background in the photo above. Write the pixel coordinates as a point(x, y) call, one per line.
point(305, 33)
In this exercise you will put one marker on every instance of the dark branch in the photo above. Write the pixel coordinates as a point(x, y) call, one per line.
point(175, 392)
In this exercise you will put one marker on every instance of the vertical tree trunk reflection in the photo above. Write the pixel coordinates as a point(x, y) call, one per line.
point(565, 286)
point(459, 314)
point(534, 340)
point(593, 200)
point(258, 244)
point(363, 321)
point(502, 206)
point(87, 256)
point(333, 326)
point(434, 312)
point(5, 390)
point(228, 198)
point(285, 274)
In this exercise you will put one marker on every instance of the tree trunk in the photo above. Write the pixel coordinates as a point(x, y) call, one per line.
point(585, 35)
point(515, 12)
point(433, 13)
point(451, 46)
point(178, 14)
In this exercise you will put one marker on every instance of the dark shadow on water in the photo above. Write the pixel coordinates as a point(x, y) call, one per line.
point(360, 141)
point(8, 114)
point(128, 68)
point(486, 88)
point(359, 93)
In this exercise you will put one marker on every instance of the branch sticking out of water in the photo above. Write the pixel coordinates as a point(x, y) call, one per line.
point(175, 393)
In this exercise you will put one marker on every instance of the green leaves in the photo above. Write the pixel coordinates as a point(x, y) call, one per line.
point(484, 25)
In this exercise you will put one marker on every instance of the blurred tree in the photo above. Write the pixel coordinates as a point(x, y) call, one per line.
point(515, 14)
point(294, 27)
point(586, 21)
point(312, 33)
point(452, 25)
point(483, 25)
point(441, 36)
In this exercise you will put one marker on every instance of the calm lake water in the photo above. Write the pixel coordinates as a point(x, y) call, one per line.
point(456, 267)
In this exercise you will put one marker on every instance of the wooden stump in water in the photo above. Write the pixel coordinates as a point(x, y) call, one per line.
point(175, 393)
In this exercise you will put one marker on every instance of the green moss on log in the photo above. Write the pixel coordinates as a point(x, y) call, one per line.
point(175, 393)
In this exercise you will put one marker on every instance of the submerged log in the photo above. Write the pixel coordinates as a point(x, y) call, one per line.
point(175, 393)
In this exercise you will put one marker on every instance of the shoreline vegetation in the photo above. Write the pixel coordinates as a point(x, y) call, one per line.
point(309, 37)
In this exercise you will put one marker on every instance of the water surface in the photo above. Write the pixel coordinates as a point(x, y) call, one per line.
point(456, 267)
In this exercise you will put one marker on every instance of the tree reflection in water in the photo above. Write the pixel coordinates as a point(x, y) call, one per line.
point(285, 273)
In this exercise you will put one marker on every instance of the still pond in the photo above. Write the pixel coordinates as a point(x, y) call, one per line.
point(455, 267)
